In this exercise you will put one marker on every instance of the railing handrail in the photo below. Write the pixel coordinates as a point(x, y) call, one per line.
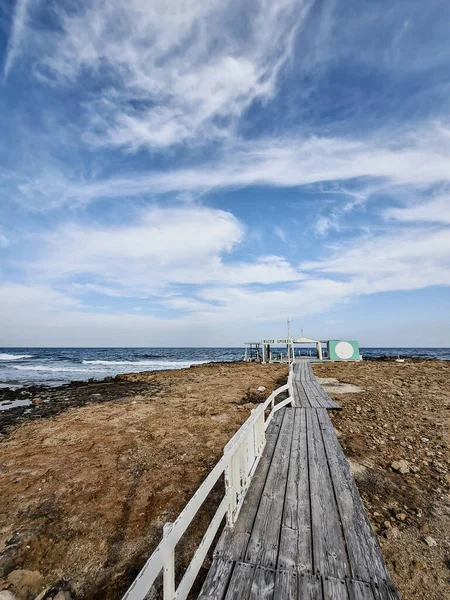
point(238, 462)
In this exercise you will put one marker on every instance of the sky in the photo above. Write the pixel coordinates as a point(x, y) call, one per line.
point(191, 173)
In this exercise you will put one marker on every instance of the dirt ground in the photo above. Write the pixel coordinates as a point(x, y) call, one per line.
point(91, 472)
point(401, 414)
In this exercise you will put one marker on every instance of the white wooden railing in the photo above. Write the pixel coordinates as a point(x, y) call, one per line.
point(238, 463)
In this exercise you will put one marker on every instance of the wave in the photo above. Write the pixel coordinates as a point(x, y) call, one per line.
point(52, 369)
point(15, 356)
point(148, 363)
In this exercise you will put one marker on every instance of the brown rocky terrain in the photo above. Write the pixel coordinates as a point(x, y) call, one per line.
point(395, 433)
point(91, 472)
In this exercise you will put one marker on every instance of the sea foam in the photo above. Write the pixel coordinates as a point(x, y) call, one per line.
point(15, 356)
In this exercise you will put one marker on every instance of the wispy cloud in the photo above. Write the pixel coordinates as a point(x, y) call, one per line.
point(174, 74)
point(435, 210)
point(17, 33)
point(415, 157)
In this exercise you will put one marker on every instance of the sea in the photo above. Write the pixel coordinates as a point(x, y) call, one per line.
point(55, 366)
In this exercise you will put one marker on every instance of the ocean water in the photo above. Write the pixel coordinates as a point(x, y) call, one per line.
point(55, 366)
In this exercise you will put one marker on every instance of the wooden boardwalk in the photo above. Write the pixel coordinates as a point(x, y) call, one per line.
point(307, 392)
point(302, 532)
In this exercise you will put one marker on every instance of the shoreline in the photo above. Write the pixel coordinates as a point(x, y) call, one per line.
point(30, 401)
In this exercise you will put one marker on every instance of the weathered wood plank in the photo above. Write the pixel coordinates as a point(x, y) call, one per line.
point(309, 587)
point(329, 552)
point(285, 585)
point(295, 550)
point(264, 539)
point(383, 591)
point(263, 584)
point(241, 582)
point(216, 582)
point(357, 590)
point(334, 589)
point(365, 556)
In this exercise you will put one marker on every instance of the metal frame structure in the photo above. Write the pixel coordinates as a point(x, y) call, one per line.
point(238, 463)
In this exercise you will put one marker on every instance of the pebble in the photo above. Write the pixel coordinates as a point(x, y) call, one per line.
point(261, 388)
point(430, 541)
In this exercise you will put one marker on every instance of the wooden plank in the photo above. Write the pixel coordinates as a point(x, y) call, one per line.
point(241, 582)
point(285, 585)
point(309, 587)
point(264, 539)
point(357, 590)
point(295, 551)
point(365, 556)
point(216, 582)
point(233, 542)
point(263, 584)
point(383, 591)
point(329, 552)
point(334, 589)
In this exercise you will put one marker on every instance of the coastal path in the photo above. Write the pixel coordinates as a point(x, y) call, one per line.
point(302, 532)
point(295, 526)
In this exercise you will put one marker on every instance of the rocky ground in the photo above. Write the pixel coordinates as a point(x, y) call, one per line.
point(90, 472)
point(394, 429)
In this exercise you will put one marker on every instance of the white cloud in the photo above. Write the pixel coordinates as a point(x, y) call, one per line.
point(166, 246)
point(436, 210)
point(398, 260)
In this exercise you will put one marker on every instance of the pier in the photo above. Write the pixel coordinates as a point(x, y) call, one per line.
point(296, 528)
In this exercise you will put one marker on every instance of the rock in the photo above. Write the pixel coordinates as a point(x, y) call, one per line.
point(339, 434)
point(26, 583)
point(249, 405)
point(95, 396)
point(401, 516)
point(429, 541)
point(401, 466)
point(398, 392)
point(7, 595)
point(414, 469)
point(424, 440)
point(36, 401)
point(261, 388)
point(391, 533)
point(358, 471)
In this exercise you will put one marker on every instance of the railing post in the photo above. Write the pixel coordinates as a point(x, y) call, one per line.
point(169, 569)
point(232, 482)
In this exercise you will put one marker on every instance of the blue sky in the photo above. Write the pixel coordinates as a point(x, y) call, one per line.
point(190, 173)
